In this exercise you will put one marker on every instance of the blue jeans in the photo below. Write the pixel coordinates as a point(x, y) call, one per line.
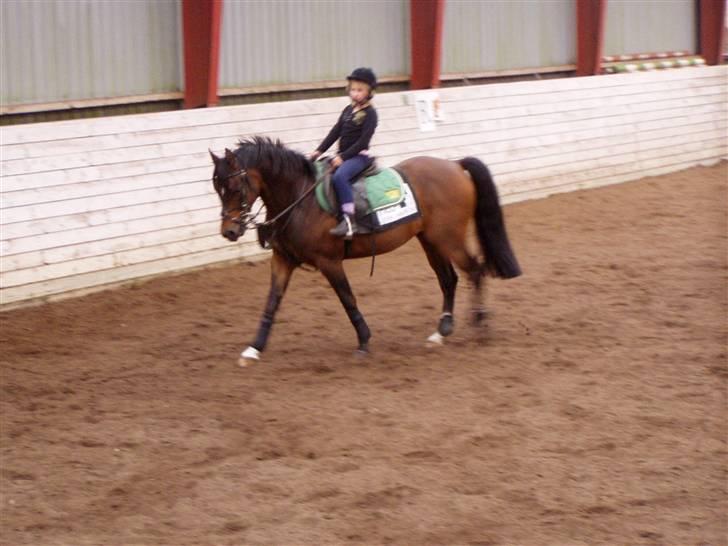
point(345, 174)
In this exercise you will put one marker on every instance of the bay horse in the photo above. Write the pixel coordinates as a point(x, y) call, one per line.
point(450, 194)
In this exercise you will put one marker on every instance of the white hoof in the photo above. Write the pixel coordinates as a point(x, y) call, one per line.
point(435, 339)
point(251, 354)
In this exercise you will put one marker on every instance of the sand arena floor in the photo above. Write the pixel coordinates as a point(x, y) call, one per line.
point(591, 410)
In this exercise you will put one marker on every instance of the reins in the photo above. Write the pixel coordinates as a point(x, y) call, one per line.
point(292, 205)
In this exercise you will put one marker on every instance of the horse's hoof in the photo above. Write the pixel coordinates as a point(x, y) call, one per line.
point(248, 356)
point(435, 340)
point(478, 316)
point(446, 326)
point(362, 351)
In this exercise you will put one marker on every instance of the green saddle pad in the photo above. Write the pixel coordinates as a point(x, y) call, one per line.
point(382, 189)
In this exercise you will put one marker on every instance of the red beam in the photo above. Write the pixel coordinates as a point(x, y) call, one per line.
point(426, 18)
point(201, 29)
point(590, 17)
point(712, 15)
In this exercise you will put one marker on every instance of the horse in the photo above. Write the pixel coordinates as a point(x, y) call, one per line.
point(450, 195)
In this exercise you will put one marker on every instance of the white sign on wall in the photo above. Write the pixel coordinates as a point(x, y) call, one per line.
point(429, 111)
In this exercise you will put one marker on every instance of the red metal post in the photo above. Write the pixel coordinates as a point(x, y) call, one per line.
point(426, 18)
point(712, 15)
point(590, 22)
point(201, 29)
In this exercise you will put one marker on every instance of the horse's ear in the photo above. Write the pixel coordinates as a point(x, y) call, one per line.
point(215, 159)
point(231, 159)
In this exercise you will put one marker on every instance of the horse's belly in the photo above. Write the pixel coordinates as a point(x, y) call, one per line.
point(385, 241)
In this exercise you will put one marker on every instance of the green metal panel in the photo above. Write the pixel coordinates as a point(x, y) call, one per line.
point(490, 35)
point(650, 26)
point(299, 41)
point(63, 50)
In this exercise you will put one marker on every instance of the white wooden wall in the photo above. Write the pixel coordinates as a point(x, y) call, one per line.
point(88, 203)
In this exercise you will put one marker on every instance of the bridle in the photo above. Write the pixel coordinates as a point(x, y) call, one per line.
point(244, 218)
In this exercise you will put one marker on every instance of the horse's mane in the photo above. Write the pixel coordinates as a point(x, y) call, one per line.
point(273, 159)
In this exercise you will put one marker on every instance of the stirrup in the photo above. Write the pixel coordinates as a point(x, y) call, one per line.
point(345, 228)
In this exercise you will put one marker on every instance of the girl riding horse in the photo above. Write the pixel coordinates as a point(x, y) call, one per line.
point(451, 194)
point(354, 131)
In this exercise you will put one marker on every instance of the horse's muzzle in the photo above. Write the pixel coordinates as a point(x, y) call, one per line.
point(231, 234)
point(232, 231)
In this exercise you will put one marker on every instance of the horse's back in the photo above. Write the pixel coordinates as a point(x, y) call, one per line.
point(440, 184)
point(445, 196)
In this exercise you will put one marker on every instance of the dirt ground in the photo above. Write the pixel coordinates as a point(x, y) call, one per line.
point(592, 410)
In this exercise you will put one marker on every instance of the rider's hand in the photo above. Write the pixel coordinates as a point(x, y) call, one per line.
point(337, 161)
point(313, 156)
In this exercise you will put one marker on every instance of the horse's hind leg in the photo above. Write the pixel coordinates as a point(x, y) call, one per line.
point(334, 273)
point(470, 265)
point(448, 280)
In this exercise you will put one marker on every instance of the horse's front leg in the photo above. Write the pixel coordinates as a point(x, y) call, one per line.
point(334, 273)
point(281, 270)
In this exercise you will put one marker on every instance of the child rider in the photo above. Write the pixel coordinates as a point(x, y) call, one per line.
point(354, 131)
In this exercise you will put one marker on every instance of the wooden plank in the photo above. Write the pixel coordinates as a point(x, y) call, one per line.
point(105, 231)
point(603, 103)
point(229, 132)
point(185, 163)
point(577, 173)
point(117, 259)
point(578, 93)
point(539, 175)
point(506, 172)
point(486, 143)
point(169, 181)
point(202, 190)
point(198, 164)
point(614, 82)
point(177, 149)
point(64, 252)
point(177, 212)
point(110, 277)
point(526, 138)
point(589, 179)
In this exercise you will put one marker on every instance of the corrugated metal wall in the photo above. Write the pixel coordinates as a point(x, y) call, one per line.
point(645, 26)
point(508, 34)
point(289, 41)
point(56, 50)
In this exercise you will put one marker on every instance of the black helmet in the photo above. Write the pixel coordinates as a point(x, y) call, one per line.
point(365, 75)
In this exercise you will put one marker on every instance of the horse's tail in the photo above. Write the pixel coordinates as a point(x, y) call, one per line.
point(500, 260)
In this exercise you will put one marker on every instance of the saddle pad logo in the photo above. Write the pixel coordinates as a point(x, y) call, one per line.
point(403, 210)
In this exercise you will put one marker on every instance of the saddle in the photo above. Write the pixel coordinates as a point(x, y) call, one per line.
point(374, 189)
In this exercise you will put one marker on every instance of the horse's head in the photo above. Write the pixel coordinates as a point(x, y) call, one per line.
point(237, 193)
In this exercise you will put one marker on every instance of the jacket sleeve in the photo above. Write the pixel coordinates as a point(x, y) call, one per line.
point(333, 135)
point(362, 143)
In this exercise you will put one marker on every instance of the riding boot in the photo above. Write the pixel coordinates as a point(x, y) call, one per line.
point(345, 229)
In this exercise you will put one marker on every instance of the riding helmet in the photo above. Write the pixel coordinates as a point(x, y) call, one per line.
point(365, 75)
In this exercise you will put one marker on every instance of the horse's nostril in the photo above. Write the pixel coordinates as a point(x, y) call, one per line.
point(230, 234)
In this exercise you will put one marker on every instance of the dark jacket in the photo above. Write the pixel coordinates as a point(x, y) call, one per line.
point(353, 130)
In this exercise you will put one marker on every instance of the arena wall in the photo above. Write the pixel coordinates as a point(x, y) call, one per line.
point(89, 203)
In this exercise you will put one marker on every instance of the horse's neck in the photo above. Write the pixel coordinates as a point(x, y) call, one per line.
point(279, 194)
